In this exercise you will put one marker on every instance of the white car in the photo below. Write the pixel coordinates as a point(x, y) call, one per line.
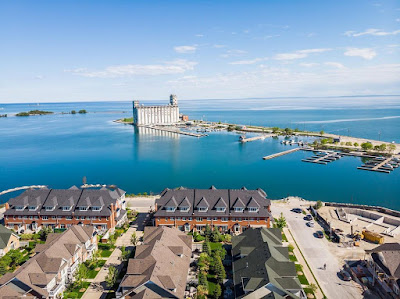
point(310, 223)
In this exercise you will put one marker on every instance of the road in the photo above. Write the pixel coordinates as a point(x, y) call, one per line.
point(318, 252)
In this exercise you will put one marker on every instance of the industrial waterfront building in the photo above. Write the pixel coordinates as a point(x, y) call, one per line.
point(227, 210)
point(61, 208)
point(156, 115)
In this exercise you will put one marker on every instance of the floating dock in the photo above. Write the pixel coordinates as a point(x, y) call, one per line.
point(281, 153)
point(386, 166)
point(323, 158)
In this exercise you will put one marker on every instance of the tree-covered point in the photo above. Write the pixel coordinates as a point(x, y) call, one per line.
point(34, 112)
point(82, 111)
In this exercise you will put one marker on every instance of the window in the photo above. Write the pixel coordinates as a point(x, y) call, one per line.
point(66, 208)
point(31, 217)
point(253, 210)
point(62, 226)
point(87, 218)
point(53, 217)
point(49, 208)
point(183, 218)
point(68, 217)
point(190, 218)
point(36, 217)
point(83, 208)
point(25, 217)
point(199, 219)
point(184, 209)
point(224, 219)
point(220, 209)
point(172, 218)
point(94, 218)
point(178, 218)
point(170, 209)
point(19, 208)
point(32, 208)
point(215, 218)
point(96, 208)
point(202, 209)
point(239, 209)
point(208, 218)
point(239, 219)
point(59, 217)
point(45, 217)
point(19, 217)
point(251, 219)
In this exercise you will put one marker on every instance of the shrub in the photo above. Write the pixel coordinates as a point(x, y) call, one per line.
point(26, 237)
point(318, 204)
point(73, 112)
point(82, 111)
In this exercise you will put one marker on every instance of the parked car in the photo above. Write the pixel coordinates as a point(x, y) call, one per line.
point(308, 217)
point(310, 223)
point(319, 234)
point(296, 210)
point(345, 275)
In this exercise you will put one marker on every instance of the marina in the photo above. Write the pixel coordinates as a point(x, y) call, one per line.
point(381, 164)
point(323, 157)
point(281, 153)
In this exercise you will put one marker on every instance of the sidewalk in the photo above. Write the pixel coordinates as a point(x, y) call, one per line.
point(95, 292)
point(300, 259)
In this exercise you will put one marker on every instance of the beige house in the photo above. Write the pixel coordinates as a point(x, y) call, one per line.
point(47, 274)
point(8, 240)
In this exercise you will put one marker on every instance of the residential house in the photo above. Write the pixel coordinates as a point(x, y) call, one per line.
point(160, 266)
point(222, 209)
point(8, 240)
point(61, 208)
point(384, 264)
point(261, 266)
point(47, 274)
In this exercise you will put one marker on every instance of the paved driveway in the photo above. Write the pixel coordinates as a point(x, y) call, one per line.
point(318, 252)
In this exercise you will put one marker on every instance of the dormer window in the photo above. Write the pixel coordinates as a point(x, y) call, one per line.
point(239, 209)
point(202, 209)
point(19, 208)
point(253, 210)
point(49, 208)
point(83, 208)
point(96, 208)
point(32, 208)
point(66, 208)
point(170, 209)
point(184, 209)
point(221, 209)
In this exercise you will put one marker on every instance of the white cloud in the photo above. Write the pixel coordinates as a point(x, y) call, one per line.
point(371, 31)
point(199, 35)
point(219, 46)
point(185, 49)
point(335, 64)
point(252, 61)
point(299, 54)
point(366, 53)
point(38, 77)
point(233, 53)
point(311, 64)
point(397, 20)
point(177, 66)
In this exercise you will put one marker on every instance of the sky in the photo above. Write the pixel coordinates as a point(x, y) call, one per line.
point(61, 51)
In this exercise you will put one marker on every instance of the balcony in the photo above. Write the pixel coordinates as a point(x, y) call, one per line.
point(91, 247)
point(56, 289)
point(72, 269)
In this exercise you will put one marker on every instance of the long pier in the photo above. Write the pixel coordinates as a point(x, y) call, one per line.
point(324, 158)
point(262, 137)
point(176, 131)
point(281, 153)
point(23, 188)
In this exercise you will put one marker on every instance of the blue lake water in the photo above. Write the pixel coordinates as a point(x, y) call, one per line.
point(58, 150)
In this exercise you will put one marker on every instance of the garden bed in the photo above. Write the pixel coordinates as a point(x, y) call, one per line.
point(73, 291)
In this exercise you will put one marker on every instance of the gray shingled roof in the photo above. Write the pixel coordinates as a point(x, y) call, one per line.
point(264, 261)
point(5, 235)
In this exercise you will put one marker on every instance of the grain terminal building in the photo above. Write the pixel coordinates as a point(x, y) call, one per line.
point(156, 115)
point(222, 209)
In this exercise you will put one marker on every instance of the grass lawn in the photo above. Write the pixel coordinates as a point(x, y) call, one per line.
point(105, 252)
point(92, 272)
point(74, 292)
point(302, 278)
point(292, 258)
point(215, 245)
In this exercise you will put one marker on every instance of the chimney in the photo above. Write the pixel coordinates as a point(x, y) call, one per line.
point(7, 206)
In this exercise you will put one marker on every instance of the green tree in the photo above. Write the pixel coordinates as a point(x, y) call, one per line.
point(217, 292)
point(216, 236)
point(82, 111)
point(16, 257)
point(45, 232)
point(318, 204)
point(202, 291)
point(313, 287)
point(73, 112)
point(281, 221)
point(80, 275)
point(321, 132)
point(206, 247)
point(208, 232)
point(288, 131)
point(3, 268)
point(275, 130)
point(356, 144)
point(382, 147)
point(228, 238)
point(111, 277)
point(112, 239)
point(366, 146)
point(219, 270)
point(391, 147)
point(134, 239)
point(125, 254)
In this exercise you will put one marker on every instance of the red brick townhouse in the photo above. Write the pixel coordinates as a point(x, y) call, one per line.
point(61, 208)
point(222, 209)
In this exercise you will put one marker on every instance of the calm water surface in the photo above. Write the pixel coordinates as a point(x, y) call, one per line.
point(58, 150)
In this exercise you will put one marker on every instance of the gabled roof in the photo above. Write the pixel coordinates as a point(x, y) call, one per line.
point(252, 203)
point(203, 203)
point(185, 203)
point(213, 188)
point(238, 203)
point(5, 235)
point(167, 282)
point(171, 202)
point(220, 203)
